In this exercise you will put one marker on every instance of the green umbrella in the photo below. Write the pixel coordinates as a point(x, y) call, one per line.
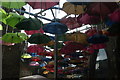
point(13, 19)
point(3, 15)
point(18, 4)
point(26, 55)
point(39, 38)
point(29, 24)
point(1, 28)
point(14, 37)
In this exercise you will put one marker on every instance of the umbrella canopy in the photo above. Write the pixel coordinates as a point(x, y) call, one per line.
point(26, 55)
point(43, 4)
point(39, 38)
point(34, 31)
point(71, 48)
point(71, 22)
point(35, 59)
point(97, 38)
point(29, 24)
point(87, 19)
point(101, 8)
point(77, 37)
point(115, 16)
point(18, 4)
point(35, 49)
point(91, 32)
point(73, 9)
point(14, 37)
point(55, 28)
point(13, 19)
point(3, 15)
point(34, 63)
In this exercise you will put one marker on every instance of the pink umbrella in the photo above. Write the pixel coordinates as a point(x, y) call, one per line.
point(71, 47)
point(71, 22)
point(115, 16)
point(43, 4)
point(35, 49)
point(34, 31)
point(87, 19)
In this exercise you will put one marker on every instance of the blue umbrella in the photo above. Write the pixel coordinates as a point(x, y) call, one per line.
point(55, 28)
point(97, 38)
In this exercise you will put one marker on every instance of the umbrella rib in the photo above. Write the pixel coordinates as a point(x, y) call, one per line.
point(34, 15)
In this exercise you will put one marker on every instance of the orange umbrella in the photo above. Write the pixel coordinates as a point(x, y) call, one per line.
point(73, 9)
point(78, 37)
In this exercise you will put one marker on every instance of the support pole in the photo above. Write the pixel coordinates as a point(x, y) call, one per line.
point(55, 57)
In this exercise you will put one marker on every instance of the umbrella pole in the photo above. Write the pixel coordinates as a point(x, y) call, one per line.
point(55, 57)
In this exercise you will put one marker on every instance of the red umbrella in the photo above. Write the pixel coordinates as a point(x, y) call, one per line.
point(98, 46)
point(87, 19)
point(115, 16)
point(34, 31)
point(35, 49)
point(36, 59)
point(71, 22)
point(43, 4)
point(101, 8)
point(71, 47)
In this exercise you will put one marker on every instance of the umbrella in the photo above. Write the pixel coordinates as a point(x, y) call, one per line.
point(43, 4)
point(26, 55)
point(6, 43)
point(46, 72)
point(87, 19)
point(71, 22)
point(101, 8)
point(77, 37)
point(3, 15)
point(115, 16)
point(71, 48)
point(43, 64)
point(98, 46)
point(35, 49)
point(73, 9)
point(13, 19)
point(97, 38)
point(18, 4)
point(29, 24)
point(55, 28)
point(35, 59)
point(14, 37)
point(46, 59)
point(34, 63)
point(114, 29)
point(30, 32)
point(39, 38)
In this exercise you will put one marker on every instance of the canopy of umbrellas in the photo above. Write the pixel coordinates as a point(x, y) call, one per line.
point(74, 48)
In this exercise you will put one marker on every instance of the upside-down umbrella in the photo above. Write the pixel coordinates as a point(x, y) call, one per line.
point(71, 22)
point(55, 28)
point(87, 19)
point(39, 38)
point(35, 59)
point(98, 38)
point(101, 8)
point(35, 49)
point(9, 4)
point(13, 19)
point(77, 37)
point(73, 9)
point(29, 24)
point(43, 4)
point(14, 37)
point(30, 32)
point(71, 48)
point(115, 16)
point(6, 43)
